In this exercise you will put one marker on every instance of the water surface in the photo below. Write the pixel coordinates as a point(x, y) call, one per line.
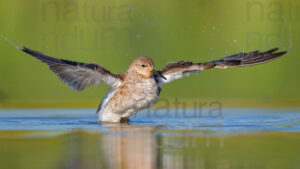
point(72, 138)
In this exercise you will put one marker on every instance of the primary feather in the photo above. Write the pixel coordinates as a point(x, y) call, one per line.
point(76, 74)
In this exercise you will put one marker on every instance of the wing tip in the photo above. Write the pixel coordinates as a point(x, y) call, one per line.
point(281, 53)
point(272, 50)
point(25, 49)
point(277, 53)
point(264, 57)
point(28, 51)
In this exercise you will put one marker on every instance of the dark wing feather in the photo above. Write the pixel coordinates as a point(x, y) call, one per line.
point(176, 70)
point(76, 74)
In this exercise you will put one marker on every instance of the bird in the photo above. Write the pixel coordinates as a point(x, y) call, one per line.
point(140, 85)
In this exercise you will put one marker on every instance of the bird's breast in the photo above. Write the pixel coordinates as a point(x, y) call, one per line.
point(131, 97)
point(146, 89)
point(140, 94)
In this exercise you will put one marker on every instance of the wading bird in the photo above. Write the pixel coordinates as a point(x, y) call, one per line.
point(139, 87)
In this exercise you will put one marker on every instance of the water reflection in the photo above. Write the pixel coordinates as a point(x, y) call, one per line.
point(129, 146)
point(136, 147)
point(147, 147)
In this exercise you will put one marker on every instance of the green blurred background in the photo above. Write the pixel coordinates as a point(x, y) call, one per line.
point(114, 32)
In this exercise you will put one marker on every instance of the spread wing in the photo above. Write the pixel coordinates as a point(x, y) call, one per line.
point(76, 74)
point(176, 70)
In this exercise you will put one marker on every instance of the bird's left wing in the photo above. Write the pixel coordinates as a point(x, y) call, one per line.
point(76, 74)
point(177, 70)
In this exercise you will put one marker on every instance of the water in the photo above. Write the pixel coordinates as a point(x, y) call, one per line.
point(228, 120)
point(72, 138)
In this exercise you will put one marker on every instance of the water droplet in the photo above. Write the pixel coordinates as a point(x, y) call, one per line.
point(10, 42)
point(202, 30)
point(138, 35)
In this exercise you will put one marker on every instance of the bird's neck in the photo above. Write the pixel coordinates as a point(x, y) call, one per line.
point(134, 77)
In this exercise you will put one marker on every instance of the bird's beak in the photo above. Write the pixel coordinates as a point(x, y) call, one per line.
point(154, 72)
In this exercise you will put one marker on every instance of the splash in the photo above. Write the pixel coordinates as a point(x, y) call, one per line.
point(10, 42)
point(290, 38)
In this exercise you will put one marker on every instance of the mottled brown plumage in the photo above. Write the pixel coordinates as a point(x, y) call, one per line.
point(140, 86)
point(175, 70)
point(76, 74)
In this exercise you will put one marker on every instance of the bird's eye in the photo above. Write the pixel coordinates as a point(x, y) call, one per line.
point(143, 65)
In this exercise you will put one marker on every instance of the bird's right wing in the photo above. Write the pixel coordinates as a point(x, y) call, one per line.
point(76, 74)
point(176, 70)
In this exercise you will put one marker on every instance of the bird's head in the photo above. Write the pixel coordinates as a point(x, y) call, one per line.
point(143, 66)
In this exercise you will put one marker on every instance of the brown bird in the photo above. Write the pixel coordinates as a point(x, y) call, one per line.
point(139, 87)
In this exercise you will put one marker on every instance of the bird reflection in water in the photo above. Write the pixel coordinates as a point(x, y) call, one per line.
point(129, 146)
point(124, 146)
